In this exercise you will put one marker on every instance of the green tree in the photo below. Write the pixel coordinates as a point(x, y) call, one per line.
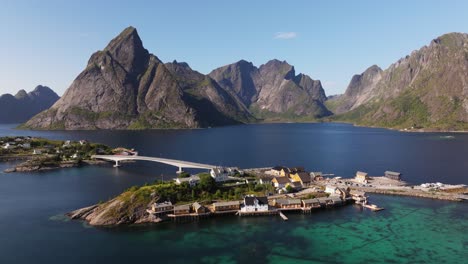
point(207, 183)
point(184, 175)
point(289, 189)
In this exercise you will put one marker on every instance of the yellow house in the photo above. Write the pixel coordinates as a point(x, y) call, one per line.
point(284, 172)
point(302, 177)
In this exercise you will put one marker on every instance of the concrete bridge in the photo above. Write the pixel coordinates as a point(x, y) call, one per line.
point(176, 163)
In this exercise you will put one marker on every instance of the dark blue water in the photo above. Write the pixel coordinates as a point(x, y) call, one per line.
point(32, 229)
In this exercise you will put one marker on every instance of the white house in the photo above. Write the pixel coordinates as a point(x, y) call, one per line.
point(9, 146)
point(83, 142)
point(67, 144)
point(192, 180)
point(220, 174)
point(255, 204)
point(74, 156)
point(331, 189)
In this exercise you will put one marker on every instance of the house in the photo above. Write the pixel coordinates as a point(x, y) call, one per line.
point(182, 209)
point(37, 152)
point(18, 140)
point(9, 146)
point(295, 185)
point(301, 177)
point(343, 192)
point(255, 204)
point(287, 203)
point(83, 142)
point(220, 174)
point(192, 180)
point(393, 175)
point(67, 144)
point(284, 172)
point(310, 203)
point(280, 182)
point(276, 171)
point(331, 189)
point(74, 156)
point(296, 169)
point(265, 181)
point(26, 145)
point(316, 176)
point(361, 177)
point(226, 206)
point(199, 209)
point(162, 207)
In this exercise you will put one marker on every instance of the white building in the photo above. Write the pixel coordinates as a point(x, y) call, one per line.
point(192, 180)
point(220, 174)
point(9, 146)
point(83, 142)
point(255, 204)
point(67, 144)
point(331, 189)
point(74, 156)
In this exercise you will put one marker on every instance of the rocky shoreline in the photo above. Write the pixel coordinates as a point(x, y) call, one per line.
point(24, 167)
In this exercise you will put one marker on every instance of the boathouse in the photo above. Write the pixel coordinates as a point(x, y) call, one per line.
point(393, 175)
point(162, 207)
point(182, 209)
point(226, 206)
point(287, 203)
point(310, 203)
point(255, 204)
point(199, 209)
point(336, 200)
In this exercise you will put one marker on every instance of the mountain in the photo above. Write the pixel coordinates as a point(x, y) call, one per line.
point(22, 106)
point(126, 87)
point(427, 89)
point(273, 91)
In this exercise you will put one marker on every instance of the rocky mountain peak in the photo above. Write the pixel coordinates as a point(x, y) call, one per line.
point(283, 68)
point(127, 49)
point(21, 94)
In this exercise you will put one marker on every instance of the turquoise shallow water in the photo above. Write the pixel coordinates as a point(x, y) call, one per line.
point(408, 231)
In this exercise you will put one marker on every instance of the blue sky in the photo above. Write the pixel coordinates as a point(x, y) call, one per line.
point(50, 42)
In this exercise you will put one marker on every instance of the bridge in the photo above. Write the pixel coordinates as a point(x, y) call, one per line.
point(176, 163)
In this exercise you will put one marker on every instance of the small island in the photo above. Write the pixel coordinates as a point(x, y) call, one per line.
point(39, 154)
point(250, 192)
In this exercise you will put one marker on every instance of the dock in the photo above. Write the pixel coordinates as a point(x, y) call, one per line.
point(283, 216)
point(373, 207)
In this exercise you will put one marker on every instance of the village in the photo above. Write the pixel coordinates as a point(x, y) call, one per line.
point(293, 190)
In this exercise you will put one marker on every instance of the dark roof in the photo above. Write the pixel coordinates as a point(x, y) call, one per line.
point(282, 180)
point(297, 169)
point(309, 201)
point(250, 200)
point(304, 176)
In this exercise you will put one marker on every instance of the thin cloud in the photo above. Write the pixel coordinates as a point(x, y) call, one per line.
point(285, 35)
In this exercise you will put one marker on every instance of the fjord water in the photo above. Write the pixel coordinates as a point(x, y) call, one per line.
point(33, 229)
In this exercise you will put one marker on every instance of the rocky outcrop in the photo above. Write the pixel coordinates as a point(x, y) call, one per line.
point(426, 89)
point(126, 87)
point(22, 106)
point(273, 90)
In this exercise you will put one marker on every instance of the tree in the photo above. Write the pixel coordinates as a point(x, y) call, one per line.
point(289, 189)
point(207, 183)
point(184, 175)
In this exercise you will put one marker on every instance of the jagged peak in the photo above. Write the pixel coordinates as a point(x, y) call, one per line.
point(21, 94)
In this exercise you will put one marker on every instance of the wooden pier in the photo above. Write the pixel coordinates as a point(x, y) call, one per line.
point(258, 213)
point(283, 216)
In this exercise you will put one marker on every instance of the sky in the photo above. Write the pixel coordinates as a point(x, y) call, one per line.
point(49, 42)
